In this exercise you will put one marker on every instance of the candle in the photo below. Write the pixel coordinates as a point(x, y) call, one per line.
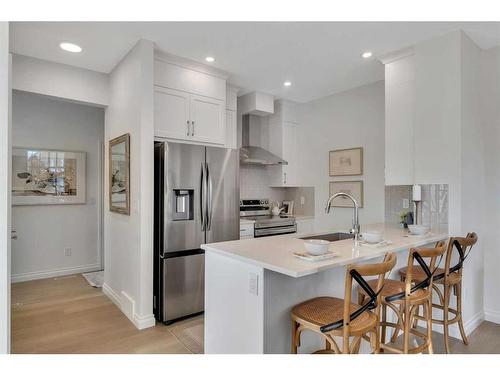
point(417, 193)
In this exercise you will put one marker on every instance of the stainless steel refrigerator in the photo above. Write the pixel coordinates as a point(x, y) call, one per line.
point(196, 202)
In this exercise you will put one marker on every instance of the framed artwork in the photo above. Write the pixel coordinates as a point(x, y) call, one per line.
point(288, 207)
point(119, 175)
point(354, 188)
point(41, 177)
point(347, 162)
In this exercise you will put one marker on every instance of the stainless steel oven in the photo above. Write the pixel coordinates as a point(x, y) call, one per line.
point(266, 224)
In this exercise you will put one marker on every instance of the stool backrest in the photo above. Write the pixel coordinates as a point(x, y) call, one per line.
point(463, 245)
point(420, 255)
point(357, 272)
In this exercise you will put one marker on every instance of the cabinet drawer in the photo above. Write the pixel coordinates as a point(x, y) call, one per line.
point(188, 80)
point(246, 230)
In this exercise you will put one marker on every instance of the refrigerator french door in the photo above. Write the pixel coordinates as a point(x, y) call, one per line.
point(196, 202)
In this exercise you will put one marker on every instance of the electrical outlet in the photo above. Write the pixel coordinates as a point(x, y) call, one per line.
point(67, 251)
point(406, 203)
point(253, 284)
point(302, 200)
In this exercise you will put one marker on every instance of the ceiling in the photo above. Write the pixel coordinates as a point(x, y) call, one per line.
point(319, 58)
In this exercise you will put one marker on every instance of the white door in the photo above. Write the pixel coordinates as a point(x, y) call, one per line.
point(207, 119)
point(171, 111)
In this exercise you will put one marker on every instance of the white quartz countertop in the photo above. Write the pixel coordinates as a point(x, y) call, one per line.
point(275, 253)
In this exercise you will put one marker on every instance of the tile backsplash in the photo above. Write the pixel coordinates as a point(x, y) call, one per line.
point(254, 183)
point(433, 207)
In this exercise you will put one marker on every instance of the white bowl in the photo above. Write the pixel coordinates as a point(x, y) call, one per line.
point(418, 229)
point(373, 236)
point(317, 247)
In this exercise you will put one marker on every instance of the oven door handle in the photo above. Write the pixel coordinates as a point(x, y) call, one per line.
point(279, 230)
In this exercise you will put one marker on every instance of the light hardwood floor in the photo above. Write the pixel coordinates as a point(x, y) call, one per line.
point(66, 315)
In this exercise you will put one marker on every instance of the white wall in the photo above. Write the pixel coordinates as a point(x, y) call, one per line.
point(490, 111)
point(45, 231)
point(448, 144)
point(129, 239)
point(5, 134)
point(59, 80)
point(350, 119)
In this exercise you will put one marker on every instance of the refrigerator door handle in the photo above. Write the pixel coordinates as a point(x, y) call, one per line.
point(209, 199)
point(203, 197)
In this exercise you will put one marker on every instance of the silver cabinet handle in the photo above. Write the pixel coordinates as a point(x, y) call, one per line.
point(192, 131)
point(284, 178)
point(187, 123)
point(13, 235)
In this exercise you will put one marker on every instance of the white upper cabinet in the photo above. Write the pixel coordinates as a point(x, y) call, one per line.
point(207, 119)
point(172, 118)
point(399, 120)
point(190, 103)
point(231, 119)
point(290, 154)
point(231, 129)
point(283, 134)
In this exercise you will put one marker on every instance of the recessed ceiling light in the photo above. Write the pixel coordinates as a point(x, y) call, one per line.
point(209, 59)
point(70, 47)
point(287, 83)
point(366, 55)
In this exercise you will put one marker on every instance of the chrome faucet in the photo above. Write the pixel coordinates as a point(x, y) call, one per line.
point(355, 216)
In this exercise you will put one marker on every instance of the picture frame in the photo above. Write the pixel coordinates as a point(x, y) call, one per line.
point(48, 176)
point(346, 162)
point(288, 208)
point(354, 188)
point(119, 174)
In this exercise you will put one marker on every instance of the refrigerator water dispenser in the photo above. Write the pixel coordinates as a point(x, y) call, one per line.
point(182, 204)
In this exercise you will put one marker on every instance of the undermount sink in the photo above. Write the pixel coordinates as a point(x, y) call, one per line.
point(330, 237)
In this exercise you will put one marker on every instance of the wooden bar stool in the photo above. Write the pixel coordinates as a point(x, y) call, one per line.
point(404, 299)
point(450, 278)
point(335, 317)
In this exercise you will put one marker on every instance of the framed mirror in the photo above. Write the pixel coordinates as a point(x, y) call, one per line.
point(119, 175)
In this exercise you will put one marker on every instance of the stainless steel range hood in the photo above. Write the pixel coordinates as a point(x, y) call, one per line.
point(255, 155)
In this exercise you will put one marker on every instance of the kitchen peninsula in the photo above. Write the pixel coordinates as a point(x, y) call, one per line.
point(251, 285)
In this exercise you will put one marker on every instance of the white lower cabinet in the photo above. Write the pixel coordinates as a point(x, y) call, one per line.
point(189, 117)
point(246, 230)
point(305, 225)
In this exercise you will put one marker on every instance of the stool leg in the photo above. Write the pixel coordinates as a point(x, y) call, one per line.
point(384, 319)
point(399, 323)
point(459, 310)
point(428, 315)
point(415, 320)
point(445, 317)
point(406, 331)
point(294, 337)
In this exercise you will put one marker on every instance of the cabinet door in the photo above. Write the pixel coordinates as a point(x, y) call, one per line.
point(231, 129)
point(290, 177)
point(305, 226)
point(171, 113)
point(207, 119)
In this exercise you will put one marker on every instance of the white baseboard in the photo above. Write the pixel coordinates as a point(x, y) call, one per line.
point(142, 322)
point(454, 331)
point(53, 273)
point(112, 295)
point(126, 304)
point(492, 316)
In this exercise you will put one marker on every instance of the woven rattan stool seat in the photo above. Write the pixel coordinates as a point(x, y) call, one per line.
point(323, 310)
